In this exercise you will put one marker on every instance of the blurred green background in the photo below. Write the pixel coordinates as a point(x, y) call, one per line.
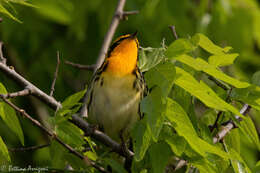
point(76, 29)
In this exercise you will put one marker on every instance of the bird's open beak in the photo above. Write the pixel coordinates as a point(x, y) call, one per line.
point(133, 35)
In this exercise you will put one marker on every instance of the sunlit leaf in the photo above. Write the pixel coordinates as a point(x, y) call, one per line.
point(180, 46)
point(222, 60)
point(184, 128)
point(201, 65)
point(205, 43)
point(250, 130)
point(8, 115)
point(7, 13)
point(4, 151)
point(202, 91)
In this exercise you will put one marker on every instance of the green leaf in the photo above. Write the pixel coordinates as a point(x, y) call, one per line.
point(141, 139)
point(180, 46)
point(233, 139)
point(248, 95)
point(8, 115)
point(91, 155)
point(4, 151)
point(183, 126)
point(71, 101)
point(201, 65)
point(205, 43)
point(159, 152)
point(238, 164)
point(222, 60)
point(7, 13)
point(57, 153)
point(248, 125)
point(144, 171)
point(76, 163)
point(70, 134)
point(115, 165)
point(202, 91)
point(154, 106)
point(57, 11)
point(177, 144)
point(256, 78)
point(150, 57)
point(204, 166)
point(22, 2)
point(162, 75)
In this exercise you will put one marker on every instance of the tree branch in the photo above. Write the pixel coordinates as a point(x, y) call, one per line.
point(78, 121)
point(230, 125)
point(24, 92)
point(80, 66)
point(174, 33)
point(53, 135)
point(55, 74)
point(23, 149)
point(118, 15)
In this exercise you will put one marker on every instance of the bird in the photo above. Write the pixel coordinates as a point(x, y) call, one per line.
point(116, 90)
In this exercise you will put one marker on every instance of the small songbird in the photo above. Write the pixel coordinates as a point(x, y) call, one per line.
point(116, 89)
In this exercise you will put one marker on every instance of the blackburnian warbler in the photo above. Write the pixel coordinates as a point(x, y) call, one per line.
point(116, 89)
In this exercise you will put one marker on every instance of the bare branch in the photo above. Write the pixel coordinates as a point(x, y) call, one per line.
point(215, 125)
point(80, 66)
point(53, 135)
point(172, 28)
point(110, 33)
point(24, 92)
point(23, 149)
point(55, 74)
point(100, 136)
point(2, 58)
point(230, 125)
point(180, 164)
point(24, 83)
point(127, 13)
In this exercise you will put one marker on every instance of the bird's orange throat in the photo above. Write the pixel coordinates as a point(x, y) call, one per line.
point(123, 59)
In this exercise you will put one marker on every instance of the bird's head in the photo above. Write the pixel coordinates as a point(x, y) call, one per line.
point(122, 55)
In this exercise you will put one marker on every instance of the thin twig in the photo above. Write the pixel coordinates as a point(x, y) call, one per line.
point(80, 66)
point(174, 33)
point(23, 149)
point(215, 125)
point(127, 13)
point(110, 33)
point(2, 58)
point(100, 136)
point(219, 83)
point(55, 74)
point(24, 92)
point(53, 135)
point(25, 83)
